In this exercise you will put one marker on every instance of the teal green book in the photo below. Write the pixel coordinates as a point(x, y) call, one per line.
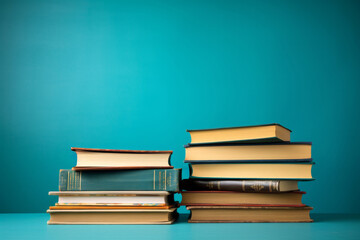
point(123, 180)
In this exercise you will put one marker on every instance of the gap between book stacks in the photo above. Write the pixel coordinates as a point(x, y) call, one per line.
point(237, 174)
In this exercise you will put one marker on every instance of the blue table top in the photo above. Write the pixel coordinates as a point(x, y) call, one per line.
point(326, 226)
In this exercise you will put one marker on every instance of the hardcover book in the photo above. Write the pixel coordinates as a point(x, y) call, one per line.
point(272, 152)
point(113, 216)
point(239, 185)
point(286, 171)
point(227, 198)
point(114, 198)
point(120, 180)
point(229, 214)
point(107, 207)
point(103, 159)
point(258, 133)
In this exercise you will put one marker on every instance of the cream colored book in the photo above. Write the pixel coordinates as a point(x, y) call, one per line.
point(88, 158)
point(282, 152)
point(273, 132)
point(121, 198)
point(294, 171)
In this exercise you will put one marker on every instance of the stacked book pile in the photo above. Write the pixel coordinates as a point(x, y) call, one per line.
point(246, 174)
point(117, 187)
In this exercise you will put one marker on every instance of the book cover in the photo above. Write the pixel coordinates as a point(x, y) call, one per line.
point(243, 134)
point(118, 150)
point(254, 171)
point(125, 180)
point(264, 186)
point(260, 152)
point(244, 144)
point(258, 125)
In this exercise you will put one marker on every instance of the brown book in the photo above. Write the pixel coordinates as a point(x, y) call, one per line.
point(113, 216)
point(201, 198)
point(230, 214)
point(239, 185)
point(258, 133)
point(111, 159)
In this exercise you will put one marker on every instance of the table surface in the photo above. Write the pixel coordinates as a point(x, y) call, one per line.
point(326, 226)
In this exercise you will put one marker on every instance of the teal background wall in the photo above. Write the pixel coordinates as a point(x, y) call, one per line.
point(137, 74)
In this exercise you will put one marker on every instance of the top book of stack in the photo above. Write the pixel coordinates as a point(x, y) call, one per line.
point(250, 134)
point(108, 159)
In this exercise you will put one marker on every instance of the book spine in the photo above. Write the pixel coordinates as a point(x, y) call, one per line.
point(223, 185)
point(124, 180)
point(170, 180)
point(69, 180)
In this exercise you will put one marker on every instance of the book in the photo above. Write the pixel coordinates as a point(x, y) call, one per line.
point(295, 171)
point(114, 198)
point(120, 180)
point(239, 185)
point(113, 216)
point(83, 207)
point(229, 214)
point(279, 152)
point(102, 159)
point(200, 198)
point(257, 133)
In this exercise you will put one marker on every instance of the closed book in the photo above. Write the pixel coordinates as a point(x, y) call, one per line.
point(239, 185)
point(227, 198)
point(112, 159)
point(121, 180)
point(113, 216)
point(257, 133)
point(114, 198)
point(230, 214)
point(107, 207)
point(285, 171)
point(235, 152)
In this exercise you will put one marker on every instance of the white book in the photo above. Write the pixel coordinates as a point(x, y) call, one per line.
point(122, 198)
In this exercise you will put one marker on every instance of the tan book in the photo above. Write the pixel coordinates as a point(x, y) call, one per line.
point(295, 171)
point(103, 159)
point(113, 216)
point(199, 198)
point(230, 214)
point(258, 133)
point(296, 151)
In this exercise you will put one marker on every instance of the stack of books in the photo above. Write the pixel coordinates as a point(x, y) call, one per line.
point(246, 174)
point(117, 187)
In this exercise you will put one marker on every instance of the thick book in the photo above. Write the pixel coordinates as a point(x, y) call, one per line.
point(273, 132)
point(232, 214)
point(235, 152)
point(285, 171)
point(111, 159)
point(113, 216)
point(239, 185)
point(227, 198)
point(114, 198)
point(120, 180)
